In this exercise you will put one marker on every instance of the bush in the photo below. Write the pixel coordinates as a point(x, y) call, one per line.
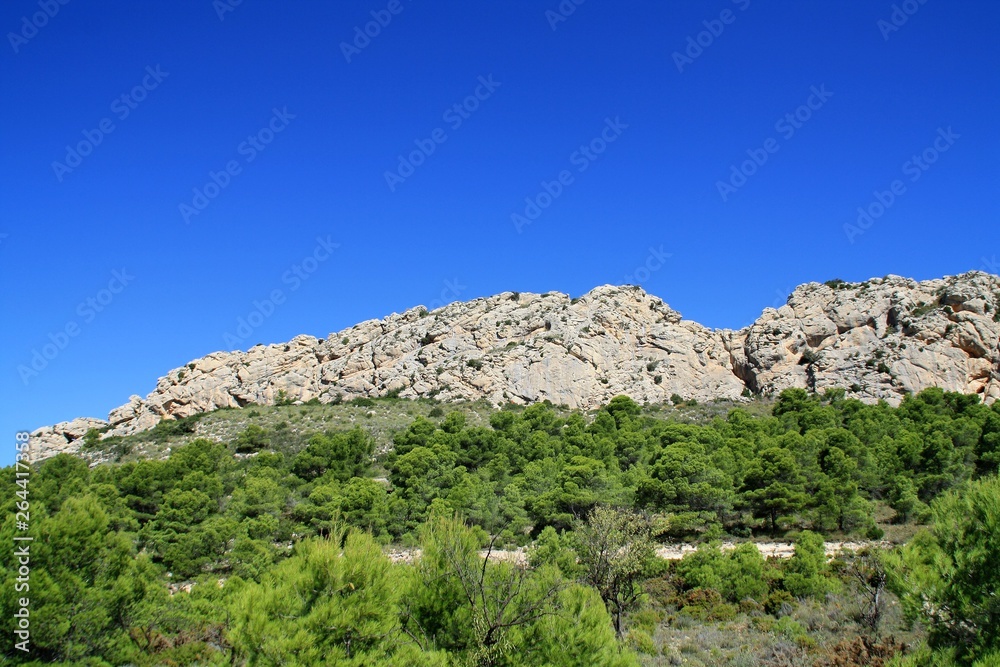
point(948, 576)
point(862, 652)
point(805, 572)
point(660, 591)
point(167, 428)
point(736, 576)
point(703, 569)
point(252, 439)
point(744, 575)
point(778, 601)
point(641, 641)
point(705, 604)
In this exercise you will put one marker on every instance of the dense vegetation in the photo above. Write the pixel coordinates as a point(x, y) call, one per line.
point(270, 550)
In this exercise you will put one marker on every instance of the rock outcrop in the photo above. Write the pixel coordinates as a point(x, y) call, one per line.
point(879, 340)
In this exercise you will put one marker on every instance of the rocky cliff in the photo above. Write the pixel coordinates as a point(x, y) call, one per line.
point(879, 340)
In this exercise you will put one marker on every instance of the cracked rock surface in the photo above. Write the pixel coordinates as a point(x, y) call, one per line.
point(878, 340)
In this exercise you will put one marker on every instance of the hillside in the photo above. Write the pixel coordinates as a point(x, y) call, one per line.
point(879, 340)
point(698, 534)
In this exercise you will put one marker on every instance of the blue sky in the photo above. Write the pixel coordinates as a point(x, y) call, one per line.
point(214, 155)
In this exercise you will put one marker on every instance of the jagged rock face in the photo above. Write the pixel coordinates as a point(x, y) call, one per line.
point(63, 437)
point(878, 339)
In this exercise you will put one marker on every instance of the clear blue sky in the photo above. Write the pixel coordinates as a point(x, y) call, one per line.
point(207, 93)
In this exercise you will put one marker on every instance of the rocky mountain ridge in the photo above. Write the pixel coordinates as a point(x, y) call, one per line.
point(879, 340)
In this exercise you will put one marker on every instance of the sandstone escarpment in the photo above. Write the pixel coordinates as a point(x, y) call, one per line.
point(879, 340)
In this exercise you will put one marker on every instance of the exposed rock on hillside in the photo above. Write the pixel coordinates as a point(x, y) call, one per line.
point(878, 339)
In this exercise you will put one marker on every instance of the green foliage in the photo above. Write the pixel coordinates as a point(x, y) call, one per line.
point(806, 572)
point(577, 634)
point(948, 576)
point(555, 549)
point(615, 549)
point(774, 486)
point(736, 576)
point(110, 539)
point(339, 455)
point(319, 605)
point(252, 439)
point(173, 427)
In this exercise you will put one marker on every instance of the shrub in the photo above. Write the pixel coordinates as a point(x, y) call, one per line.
point(641, 641)
point(252, 439)
point(660, 591)
point(861, 652)
point(703, 569)
point(805, 572)
point(744, 575)
point(778, 601)
point(705, 604)
point(789, 627)
point(174, 427)
point(948, 576)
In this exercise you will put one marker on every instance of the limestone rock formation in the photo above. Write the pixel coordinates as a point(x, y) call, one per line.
point(879, 340)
